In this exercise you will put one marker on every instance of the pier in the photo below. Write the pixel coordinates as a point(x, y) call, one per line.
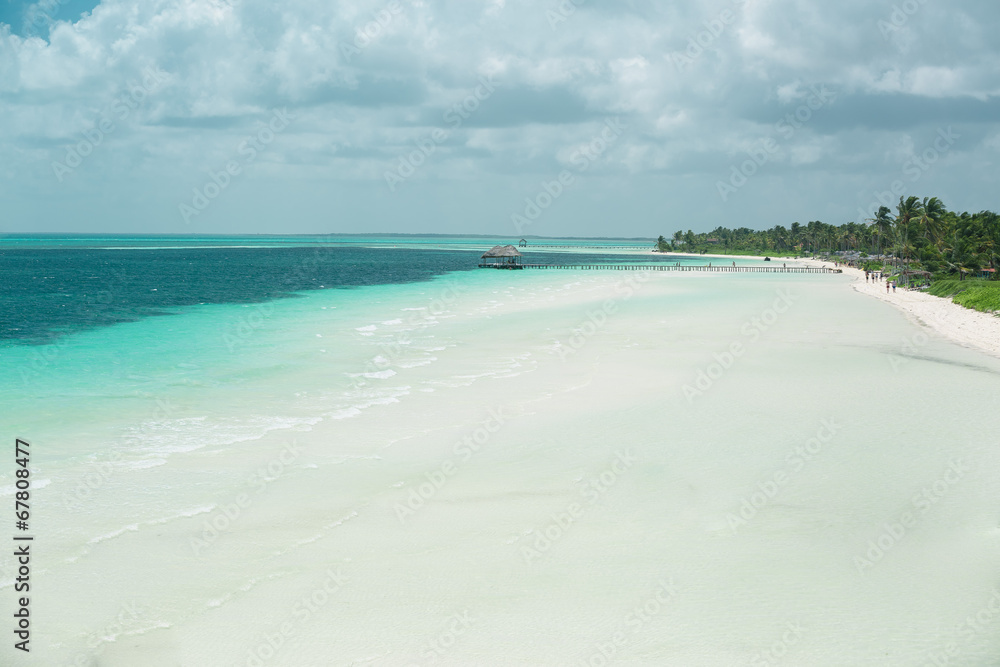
point(598, 248)
point(508, 257)
point(672, 267)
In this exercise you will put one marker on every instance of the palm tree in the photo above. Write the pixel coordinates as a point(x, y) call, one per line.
point(881, 224)
point(962, 258)
point(906, 211)
point(931, 214)
point(852, 237)
point(780, 235)
point(991, 223)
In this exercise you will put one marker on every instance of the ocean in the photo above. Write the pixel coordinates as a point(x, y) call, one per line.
point(364, 451)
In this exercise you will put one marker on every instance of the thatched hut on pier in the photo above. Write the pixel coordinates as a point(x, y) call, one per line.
point(501, 257)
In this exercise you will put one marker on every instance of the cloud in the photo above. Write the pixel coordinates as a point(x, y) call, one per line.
point(698, 85)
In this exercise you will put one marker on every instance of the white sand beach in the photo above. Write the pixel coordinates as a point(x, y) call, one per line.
point(546, 468)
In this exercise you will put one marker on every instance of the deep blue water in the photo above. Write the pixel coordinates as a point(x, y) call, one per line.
point(54, 287)
point(45, 293)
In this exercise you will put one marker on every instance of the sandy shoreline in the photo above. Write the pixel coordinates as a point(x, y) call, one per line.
point(962, 325)
point(510, 493)
point(971, 328)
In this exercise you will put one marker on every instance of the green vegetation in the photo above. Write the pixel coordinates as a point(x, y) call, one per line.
point(948, 288)
point(981, 295)
point(922, 235)
point(922, 238)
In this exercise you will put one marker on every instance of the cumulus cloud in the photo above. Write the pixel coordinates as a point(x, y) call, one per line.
point(425, 115)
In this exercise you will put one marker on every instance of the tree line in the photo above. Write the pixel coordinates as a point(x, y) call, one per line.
point(920, 234)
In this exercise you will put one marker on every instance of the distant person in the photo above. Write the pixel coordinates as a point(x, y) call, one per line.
point(894, 288)
point(887, 287)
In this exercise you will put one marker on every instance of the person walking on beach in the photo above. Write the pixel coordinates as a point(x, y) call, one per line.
point(887, 287)
point(894, 288)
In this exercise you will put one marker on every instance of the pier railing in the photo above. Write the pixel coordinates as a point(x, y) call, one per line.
point(540, 248)
point(682, 267)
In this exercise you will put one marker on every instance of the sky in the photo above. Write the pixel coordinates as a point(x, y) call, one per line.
point(511, 117)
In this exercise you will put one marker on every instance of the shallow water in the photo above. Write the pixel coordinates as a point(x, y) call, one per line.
point(514, 468)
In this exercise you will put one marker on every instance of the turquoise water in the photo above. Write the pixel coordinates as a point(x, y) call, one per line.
point(101, 338)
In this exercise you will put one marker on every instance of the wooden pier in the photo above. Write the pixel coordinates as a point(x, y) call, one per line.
point(675, 267)
point(596, 248)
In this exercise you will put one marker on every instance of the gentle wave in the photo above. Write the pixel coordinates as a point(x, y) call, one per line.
point(416, 364)
point(246, 588)
point(160, 439)
point(378, 375)
point(160, 625)
point(133, 527)
point(346, 413)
